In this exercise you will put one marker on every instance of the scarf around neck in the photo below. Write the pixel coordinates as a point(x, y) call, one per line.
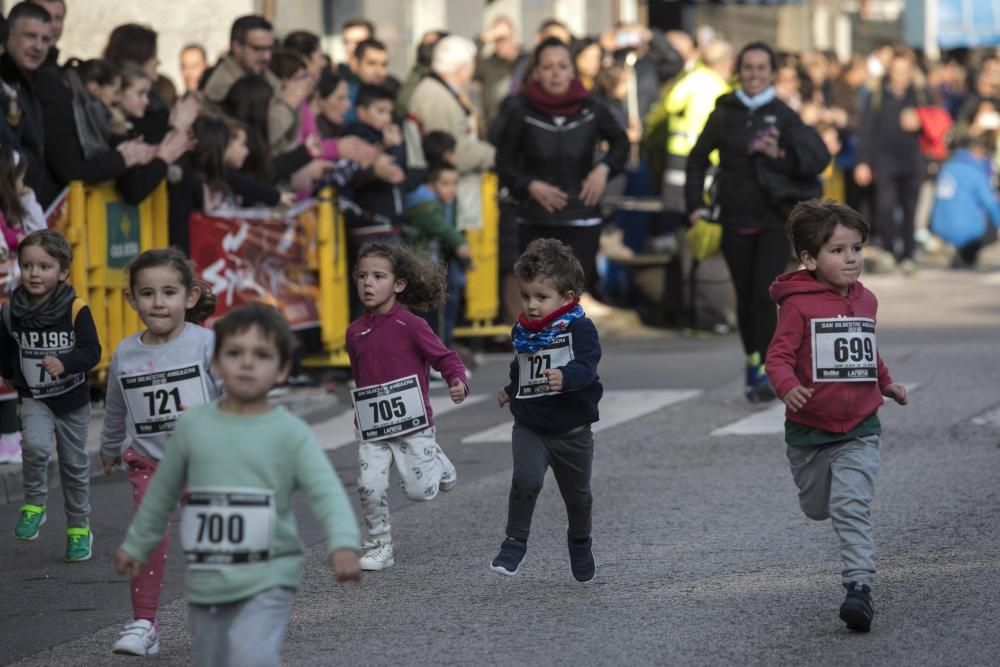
point(532, 336)
point(567, 104)
point(758, 100)
point(42, 315)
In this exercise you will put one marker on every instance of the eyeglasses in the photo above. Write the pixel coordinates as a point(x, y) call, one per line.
point(260, 49)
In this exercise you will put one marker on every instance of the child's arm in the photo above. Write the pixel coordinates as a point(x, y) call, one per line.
point(505, 395)
point(9, 347)
point(582, 371)
point(445, 361)
point(113, 431)
point(88, 345)
point(430, 219)
point(782, 353)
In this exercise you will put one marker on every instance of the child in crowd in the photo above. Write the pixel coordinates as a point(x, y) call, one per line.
point(154, 375)
point(824, 364)
point(430, 229)
point(380, 201)
point(966, 208)
point(20, 208)
point(553, 393)
point(49, 343)
point(390, 349)
point(236, 462)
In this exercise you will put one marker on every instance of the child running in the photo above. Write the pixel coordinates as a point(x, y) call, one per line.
point(49, 344)
point(824, 364)
point(240, 459)
point(390, 349)
point(154, 376)
point(553, 394)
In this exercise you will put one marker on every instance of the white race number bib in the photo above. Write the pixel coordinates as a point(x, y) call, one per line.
point(41, 384)
point(844, 349)
point(532, 382)
point(390, 409)
point(155, 400)
point(225, 526)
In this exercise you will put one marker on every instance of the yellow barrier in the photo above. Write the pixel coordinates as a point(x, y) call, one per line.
point(331, 264)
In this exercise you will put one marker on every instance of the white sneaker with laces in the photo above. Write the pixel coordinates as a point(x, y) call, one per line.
point(139, 637)
point(449, 477)
point(378, 556)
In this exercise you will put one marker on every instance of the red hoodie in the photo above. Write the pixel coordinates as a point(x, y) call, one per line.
point(834, 406)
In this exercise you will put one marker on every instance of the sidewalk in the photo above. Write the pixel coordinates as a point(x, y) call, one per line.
point(309, 404)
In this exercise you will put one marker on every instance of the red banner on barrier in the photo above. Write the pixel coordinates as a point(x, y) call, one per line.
point(246, 255)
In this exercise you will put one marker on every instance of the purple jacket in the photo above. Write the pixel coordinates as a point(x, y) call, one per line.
point(398, 344)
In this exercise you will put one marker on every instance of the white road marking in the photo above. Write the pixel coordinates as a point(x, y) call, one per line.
point(616, 407)
point(989, 418)
point(772, 419)
point(339, 431)
point(992, 278)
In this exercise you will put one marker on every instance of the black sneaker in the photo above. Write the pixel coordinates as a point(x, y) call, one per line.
point(508, 561)
point(581, 560)
point(857, 610)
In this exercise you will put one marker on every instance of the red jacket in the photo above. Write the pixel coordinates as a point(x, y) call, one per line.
point(397, 344)
point(835, 406)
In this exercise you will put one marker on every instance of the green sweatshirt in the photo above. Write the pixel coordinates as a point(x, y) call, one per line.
point(238, 528)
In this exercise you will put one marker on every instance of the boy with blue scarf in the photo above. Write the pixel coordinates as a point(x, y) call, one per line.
point(553, 394)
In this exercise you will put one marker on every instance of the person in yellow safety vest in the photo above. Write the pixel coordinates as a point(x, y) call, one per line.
point(688, 104)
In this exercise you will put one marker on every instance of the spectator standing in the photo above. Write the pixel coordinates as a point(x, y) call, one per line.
point(545, 156)
point(420, 69)
point(133, 43)
point(194, 63)
point(285, 108)
point(496, 60)
point(369, 66)
point(251, 42)
point(57, 11)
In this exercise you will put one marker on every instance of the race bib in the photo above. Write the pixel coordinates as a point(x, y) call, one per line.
point(41, 384)
point(532, 382)
point(155, 400)
point(844, 349)
point(389, 410)
point(222, 526)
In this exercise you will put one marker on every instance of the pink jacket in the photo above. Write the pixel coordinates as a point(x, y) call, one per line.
point(835, 406)
point(308, 127)
point(397, 344)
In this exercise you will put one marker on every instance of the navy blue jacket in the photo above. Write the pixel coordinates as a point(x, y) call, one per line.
point(576, 404)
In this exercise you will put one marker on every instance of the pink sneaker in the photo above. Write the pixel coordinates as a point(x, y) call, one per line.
point(10, 448)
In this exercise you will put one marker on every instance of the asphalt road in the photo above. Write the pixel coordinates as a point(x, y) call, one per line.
point(704, 556)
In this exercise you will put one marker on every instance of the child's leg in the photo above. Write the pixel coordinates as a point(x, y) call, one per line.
point(257, 630)
point(419, 464)
point(854, 467)
point(374, 461)
point(147, 586)
point(572, 460)
point(531, 459)
point(811, 472)
point(209, 628)
point(74, 465)
point(38, 432)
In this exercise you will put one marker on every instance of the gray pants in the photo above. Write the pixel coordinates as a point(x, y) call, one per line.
point(248, 633)
point(571, 458)
point(837, 482)
point(40, 427)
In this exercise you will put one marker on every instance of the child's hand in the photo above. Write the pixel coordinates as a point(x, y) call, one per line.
point(555, 378)
point(125, 564)
point(344, 563)
point(53, 366)
point(896, 392)
point(109, 463)
point(797, 397)
point(502, 398)
point(457, 391)
point(391, 135)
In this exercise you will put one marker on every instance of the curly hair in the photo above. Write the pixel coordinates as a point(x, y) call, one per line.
point(185, 268)
point(552, 259)
point(426, 282)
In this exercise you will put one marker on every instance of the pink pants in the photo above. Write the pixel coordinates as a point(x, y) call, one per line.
point(146, 587)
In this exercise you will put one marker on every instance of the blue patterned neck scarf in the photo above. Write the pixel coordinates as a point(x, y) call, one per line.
point(533, 336)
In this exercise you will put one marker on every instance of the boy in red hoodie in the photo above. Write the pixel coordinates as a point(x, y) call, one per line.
point(824, 364)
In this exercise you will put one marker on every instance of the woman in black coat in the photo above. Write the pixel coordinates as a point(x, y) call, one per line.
point(768, 161)
point(546, 145)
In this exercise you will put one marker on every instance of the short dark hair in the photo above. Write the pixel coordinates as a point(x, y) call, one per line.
point(554, 260)
point(328, 81)
point(244, 24)
point(359, 23)
point(368, 95)
point(365, 45)
point(302, 41)
point(435, 170)
point(53, 243)
point(549, 43)
point(130, 42)
point(435, 144)
point(812, 222)
point(256, 314)
point(285, 63)
point(27, 10)
point(758, 46)
point(425, 50)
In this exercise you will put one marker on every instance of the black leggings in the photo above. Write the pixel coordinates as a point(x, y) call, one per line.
point(585, 242)
point(754, 261)
point(892, 190)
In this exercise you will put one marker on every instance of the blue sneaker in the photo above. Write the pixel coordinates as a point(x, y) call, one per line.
point(508, 561)
point(581, 560)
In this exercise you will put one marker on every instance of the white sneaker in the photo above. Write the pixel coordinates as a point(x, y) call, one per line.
point(378, 556)
point(138, 638)
point(449, 478)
